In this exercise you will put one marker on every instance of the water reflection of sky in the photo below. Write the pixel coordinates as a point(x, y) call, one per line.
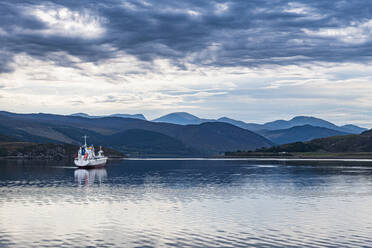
point(180, 203)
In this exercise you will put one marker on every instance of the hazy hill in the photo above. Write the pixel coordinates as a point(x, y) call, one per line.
point(299, 133)
point(208, 138)
point(296, 121)
point(249, 126)
point(300, 121)
point(83, 115)
point(135, 116)
point(184, 118)
point(353, 129)
point(181, 118)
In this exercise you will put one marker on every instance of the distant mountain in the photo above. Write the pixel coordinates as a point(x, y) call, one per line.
point(134, 116)
point(83, 115)
point(137, 142)
point(181, 118)
point(218, 136)
point(298, 133)
point(136, 136)
point(353, 129)
point(313, 121)
point(300, 121)
point(130, 135)
point(242, 124)
point(336, 144)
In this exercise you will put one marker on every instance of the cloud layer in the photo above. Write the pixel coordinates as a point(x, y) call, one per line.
point(159, 56)
point(213, 33)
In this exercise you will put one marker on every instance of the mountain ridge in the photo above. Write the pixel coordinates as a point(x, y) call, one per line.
point(208, 138)
point(299, 133)
point(134, 116)
point(179, 118)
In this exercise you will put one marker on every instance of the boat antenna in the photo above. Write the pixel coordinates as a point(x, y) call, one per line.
point(85, 140)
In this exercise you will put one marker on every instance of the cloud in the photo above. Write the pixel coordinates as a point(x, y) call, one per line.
point(208, 33)
point(253, 60)
point(356, 33)
point(66, 23)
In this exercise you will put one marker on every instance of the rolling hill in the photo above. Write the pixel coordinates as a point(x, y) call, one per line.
point(298, 133)
point(353, 129)
point(296, 121)
point(183, 118)
point(336, 144)
point(249, 126)
point(300, 121)
point(124, 134)
point(134, 116)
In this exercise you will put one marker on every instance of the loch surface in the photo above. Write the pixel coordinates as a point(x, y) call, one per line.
point(186, 203)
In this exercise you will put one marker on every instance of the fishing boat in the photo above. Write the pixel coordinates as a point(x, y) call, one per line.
point(87, 158)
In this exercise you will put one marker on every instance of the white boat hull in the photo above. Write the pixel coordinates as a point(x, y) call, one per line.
point(87, 158)
point(91, 163)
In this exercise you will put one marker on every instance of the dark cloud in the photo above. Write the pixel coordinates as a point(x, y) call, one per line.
point(5, 60)
point(217, 33)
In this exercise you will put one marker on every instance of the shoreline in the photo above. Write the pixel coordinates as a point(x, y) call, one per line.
point(49, 158)
point(303, 155)
point(254, 159)
point(222, 158)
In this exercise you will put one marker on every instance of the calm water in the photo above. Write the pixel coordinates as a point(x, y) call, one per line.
point(186, 204)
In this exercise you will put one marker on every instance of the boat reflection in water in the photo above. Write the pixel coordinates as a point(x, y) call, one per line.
point(89, 177)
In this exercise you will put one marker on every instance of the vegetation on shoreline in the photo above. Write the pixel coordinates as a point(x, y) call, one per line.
point(49, 151)
point(345, 146)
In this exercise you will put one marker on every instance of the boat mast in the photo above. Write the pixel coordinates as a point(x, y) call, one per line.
point(85, 140)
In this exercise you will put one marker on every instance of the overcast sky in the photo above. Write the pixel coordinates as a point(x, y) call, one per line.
point(253, 60)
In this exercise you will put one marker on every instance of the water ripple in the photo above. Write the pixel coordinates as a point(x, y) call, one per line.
point(182, 203)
